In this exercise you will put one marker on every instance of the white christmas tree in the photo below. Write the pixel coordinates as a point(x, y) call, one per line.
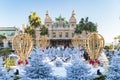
point(58, 63)
point(4, 75)
point(114, 73)
point(38, 70)
point(66, 55)
point(52, 54)
point(78, 71)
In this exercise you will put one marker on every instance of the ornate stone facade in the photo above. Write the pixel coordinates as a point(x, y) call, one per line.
point(60, 31)
point(9, 32)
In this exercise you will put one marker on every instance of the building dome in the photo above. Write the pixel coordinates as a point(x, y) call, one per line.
point(60, 22)
point(72, 18)
point(48, 18)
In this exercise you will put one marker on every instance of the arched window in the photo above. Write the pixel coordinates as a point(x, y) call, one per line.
point(60, 34)
point(54, 34)
point(47, 25)
point(72, 34)
point(72, 24)
point(66, 34)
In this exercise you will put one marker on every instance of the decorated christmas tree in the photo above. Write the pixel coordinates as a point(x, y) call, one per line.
point(58, 63)
point(4, 74)
point(78, 71)
point(38, 70)
point(52, 54)
point(114, 72)
point(66, 55)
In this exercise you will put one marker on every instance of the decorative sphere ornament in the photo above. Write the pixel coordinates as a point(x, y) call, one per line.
point(44, 41)
point(23, 44)
point(95, 44)
point(76, 41)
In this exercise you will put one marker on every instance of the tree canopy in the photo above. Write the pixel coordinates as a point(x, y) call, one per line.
point(114, 71)
point(34, 20)
point(30, 30)
point(5, 52)
point(2, 37)
point(43, 30)
point(85, 25)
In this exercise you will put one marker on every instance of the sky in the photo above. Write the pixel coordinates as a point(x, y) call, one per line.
point(106, 13)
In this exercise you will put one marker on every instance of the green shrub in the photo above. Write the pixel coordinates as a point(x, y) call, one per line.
point(100, 78)
point(16, 77)
point(9, 62)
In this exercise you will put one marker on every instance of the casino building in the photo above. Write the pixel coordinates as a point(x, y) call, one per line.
point(60, 31)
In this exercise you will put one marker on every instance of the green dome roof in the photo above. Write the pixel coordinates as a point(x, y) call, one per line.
point(64, 24)
point(60, 18)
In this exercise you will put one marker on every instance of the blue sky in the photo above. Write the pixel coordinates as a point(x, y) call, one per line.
point(106, 13)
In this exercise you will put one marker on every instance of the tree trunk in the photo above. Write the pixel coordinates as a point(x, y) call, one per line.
point(34, 36)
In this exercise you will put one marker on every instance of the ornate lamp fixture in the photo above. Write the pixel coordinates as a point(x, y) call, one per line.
point(44, 41)
point(23, 44)
point(95, 44)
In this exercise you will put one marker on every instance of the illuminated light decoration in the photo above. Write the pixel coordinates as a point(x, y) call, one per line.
point(79, 41)
point(76, 41)
point(23, 45)
point(95, 44)
point(44, 41)
point(21, 62)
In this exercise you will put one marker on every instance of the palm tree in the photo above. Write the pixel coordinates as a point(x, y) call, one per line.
point(92, 27)
point(30, 30)
point(86, 25)
point(2, 37)
point(79, 28)
point(44, 38)
point(34, 20)
point(43, 30)
point(5, 52)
